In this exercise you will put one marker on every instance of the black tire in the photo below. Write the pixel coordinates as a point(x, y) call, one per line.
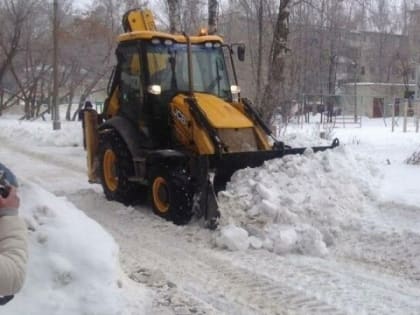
point(115, 167)
point(171, 194)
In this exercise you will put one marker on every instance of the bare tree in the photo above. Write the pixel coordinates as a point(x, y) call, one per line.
point(13, 14)
point(192, 15)
point(260, 20)
point(174, 8)
point(213, 6)
point(94, 58)
point(275, 92)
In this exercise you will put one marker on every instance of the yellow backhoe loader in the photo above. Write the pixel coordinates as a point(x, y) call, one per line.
point(174, 122)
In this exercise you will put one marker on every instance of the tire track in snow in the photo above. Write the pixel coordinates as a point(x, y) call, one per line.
point(56, 172)
point(349, 288)
point(199, 280)
point(43, 157)
point(262, 292)
point(254, 282)
point(387, 239)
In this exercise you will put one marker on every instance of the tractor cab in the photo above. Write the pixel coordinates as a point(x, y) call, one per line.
point(154, 67)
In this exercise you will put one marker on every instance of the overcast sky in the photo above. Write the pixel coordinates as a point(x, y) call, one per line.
point(81, 3)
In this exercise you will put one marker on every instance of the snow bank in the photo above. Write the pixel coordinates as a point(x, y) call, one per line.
point(298, 203)
point(73, 262)
point(296, 136)
point(41, 132)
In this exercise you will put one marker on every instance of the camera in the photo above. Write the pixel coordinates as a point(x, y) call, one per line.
point(4, 185)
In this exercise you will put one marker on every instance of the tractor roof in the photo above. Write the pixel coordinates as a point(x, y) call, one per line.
point(147, 35)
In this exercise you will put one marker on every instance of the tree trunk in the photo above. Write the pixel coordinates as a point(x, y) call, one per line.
point(260, 51)
point(212, 22)
point(275, 93)
point(1, 101)
point(174, 16)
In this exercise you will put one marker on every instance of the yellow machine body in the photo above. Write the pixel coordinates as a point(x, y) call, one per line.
point(236, 130)
point(173, 122)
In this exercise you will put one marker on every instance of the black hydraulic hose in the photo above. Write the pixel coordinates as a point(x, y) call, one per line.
point(254, 115)
point(235, 76)
point(203, 122)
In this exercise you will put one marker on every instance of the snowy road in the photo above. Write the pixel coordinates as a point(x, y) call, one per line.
point(373, 267)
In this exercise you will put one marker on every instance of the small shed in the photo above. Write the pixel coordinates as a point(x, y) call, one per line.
point(376, 99)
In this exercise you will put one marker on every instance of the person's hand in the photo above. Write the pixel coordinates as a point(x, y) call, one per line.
point(11, 201)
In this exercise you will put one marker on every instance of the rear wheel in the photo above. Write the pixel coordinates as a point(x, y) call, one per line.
point(171, 195)
point(115, 167)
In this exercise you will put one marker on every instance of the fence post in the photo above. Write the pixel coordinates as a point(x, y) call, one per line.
point(405, 115)
point(393, 116)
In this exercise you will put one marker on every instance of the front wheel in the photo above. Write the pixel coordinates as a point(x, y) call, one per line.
point(171, 195)
point(115, 167)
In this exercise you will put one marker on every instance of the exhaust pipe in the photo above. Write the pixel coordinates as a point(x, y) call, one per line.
point(190, 73)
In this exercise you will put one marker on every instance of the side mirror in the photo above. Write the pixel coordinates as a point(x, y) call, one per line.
point(241, 52)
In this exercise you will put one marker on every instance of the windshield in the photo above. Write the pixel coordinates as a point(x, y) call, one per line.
point(168, 67)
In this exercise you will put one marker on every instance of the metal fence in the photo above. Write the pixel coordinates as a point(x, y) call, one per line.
point(348, 110)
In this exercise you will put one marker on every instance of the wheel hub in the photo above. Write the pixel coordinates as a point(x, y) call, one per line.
point(161, 194)
point(110, 174)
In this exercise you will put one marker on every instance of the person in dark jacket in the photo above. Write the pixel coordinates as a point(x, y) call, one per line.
point(13, 237)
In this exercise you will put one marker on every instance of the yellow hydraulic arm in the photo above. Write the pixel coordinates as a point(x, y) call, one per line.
point(138, 20)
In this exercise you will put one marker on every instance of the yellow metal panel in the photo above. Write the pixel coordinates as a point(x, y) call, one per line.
point(261, 135)
point(187, 131)
point(135, 64)
point(176, 38)
point(156, 62)
point(141, 20)
point(221, 114)
point(90, 118)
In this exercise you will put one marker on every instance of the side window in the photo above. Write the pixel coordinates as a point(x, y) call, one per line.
point(199, 64)
point(131, 88)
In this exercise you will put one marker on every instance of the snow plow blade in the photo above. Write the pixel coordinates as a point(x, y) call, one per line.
point(226, 164)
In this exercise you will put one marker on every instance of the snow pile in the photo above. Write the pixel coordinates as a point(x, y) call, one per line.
point(295, 204)
point(295, 136)
point(73, 262)
point(41, 132)
point(233, 237)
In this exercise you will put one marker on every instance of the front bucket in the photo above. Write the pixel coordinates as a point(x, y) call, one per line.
point(227, 164)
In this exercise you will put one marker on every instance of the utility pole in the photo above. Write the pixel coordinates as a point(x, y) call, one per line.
point(55, 109)
point(355, 65)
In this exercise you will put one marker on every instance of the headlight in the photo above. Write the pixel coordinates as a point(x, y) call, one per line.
point(235, 89)
point(154, 89)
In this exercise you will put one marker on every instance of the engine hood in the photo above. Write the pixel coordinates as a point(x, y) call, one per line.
point(221, 114)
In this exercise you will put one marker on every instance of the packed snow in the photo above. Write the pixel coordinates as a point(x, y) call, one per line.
point(303, 205)
point(300, 202)
point(73, 262)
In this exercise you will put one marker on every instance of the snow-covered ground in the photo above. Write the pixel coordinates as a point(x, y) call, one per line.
point(73, 266)
point(335, 232)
